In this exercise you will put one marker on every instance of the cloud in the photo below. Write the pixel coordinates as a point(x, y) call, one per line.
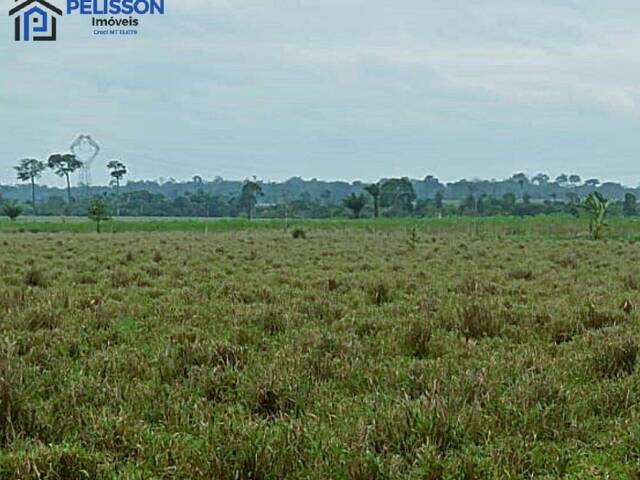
point(600, 75)
point(337, 88)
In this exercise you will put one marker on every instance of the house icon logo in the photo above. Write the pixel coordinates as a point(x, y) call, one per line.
point(35, 20)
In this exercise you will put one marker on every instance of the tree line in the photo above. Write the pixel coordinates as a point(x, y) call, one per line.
point(296, 198)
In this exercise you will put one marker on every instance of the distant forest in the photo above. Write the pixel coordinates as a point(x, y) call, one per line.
point(299, 198)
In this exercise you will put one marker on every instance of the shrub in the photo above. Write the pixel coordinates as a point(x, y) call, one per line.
point(272, 320)
point(632, 282)
point(12, 210)
point(7, 400)
point(379, 293)
point(34, 278)
point(567, 261)
point(42, 318)
point(68, 462)
point(521, 274)
point(419, 338)
point(98, 212)
point(479, 321)
point(220, 386)
point(413, 238)
point(614, 357)
point(120, 278)
point(364, 467)
point(433, 422)
point(596, 319)
point(186, 354)
point(272, 399)
point(298, 233)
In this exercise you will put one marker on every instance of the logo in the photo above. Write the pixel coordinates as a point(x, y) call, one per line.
point(35, 20)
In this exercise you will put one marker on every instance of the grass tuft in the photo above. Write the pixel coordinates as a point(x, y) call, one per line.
point(614, 356)
point(479, 320)
point(34, 277)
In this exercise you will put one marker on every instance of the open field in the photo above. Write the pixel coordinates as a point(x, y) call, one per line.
point(476, 228)
point(492, 349)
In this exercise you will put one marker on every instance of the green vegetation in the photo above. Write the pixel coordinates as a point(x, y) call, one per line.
point(518, 196)
point(64, 165)
point(29, 170)
point(390, 349)
point(558, 227)
point(355, 203)
point(98, 212)
point(12, 210)
point(249, 197)
point(597, 206)
point(117, 171)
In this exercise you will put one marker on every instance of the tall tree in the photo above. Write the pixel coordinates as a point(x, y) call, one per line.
point(509, 201)
point(575, 179)
point(592, 182)
point(64, 165)
point(29, 170)
point(468, 206)
point(439, 200)
point(203, 200)
point(249, 196)
point(355, 203)
point(374, 191)
point(397, 193)
point(117, 170)
point(521, 179)
point(630, 205)
point(541, 179)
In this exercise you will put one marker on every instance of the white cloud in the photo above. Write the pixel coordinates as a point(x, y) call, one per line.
point(324, 87)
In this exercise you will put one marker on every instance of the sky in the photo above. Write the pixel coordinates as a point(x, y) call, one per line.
point(336, 89)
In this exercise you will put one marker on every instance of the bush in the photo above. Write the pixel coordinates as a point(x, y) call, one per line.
point(34, 278)
point(273, 399)
point(615, 357)
point(479, 321)
point(596, 319)
point(299, 233)
point(12, 210)
point(68, 462)
point(379, 293)
point(419, 338)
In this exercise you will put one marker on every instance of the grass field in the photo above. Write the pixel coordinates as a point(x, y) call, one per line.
point(479, 350)
point(548, 227)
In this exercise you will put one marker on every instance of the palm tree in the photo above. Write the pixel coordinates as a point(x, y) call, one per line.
point(118, 171)
point(63, 166)
point(249, 196)
point(375, 192)
point(521, 179)
point(355, 203)
point(29, 170)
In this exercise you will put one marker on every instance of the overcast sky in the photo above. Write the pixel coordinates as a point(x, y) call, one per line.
point(337, 89)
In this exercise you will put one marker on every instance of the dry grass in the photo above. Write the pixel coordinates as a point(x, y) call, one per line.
point(254, 355)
